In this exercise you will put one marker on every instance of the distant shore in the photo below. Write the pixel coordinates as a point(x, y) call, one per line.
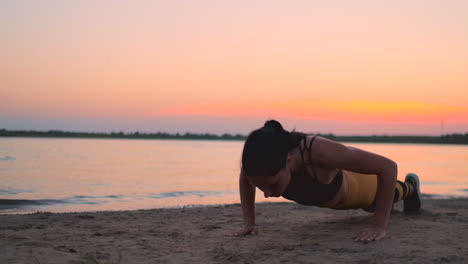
point(444, 139)
point(289, 233)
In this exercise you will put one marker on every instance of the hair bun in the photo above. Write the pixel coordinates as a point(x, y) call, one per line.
point(274, 124)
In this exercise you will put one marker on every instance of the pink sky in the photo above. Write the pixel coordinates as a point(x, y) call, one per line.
point(342, 67)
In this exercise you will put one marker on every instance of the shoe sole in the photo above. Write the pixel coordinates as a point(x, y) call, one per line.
point(414, 178)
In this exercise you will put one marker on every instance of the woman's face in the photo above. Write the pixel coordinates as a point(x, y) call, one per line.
point(275, 185)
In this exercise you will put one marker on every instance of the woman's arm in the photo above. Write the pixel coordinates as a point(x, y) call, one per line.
point(247, 197)
point(336, 155)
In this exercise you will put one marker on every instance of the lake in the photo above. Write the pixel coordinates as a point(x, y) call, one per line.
point(63, 175)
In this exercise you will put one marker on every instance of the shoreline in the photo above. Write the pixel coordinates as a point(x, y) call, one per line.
point(446, 139)
point(5, 205)
point(289, 233)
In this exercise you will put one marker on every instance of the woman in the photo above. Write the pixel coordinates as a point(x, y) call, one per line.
point(313, 170)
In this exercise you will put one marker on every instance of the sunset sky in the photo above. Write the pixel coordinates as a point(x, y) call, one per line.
point(342, 67)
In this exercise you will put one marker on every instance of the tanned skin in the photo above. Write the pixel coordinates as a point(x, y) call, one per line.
point(327, 157)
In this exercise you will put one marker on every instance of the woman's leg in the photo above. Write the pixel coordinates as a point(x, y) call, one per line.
point(402, 191)
point(406, 191)
point(362, 189)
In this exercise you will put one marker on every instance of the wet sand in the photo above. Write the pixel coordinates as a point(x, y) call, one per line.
point(289, 233)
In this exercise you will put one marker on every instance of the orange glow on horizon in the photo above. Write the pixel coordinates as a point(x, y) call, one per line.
point(414, 112)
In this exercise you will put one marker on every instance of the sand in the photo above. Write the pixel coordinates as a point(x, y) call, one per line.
point(289, 233)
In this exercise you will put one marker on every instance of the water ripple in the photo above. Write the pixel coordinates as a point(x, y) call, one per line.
point(8, 158)
point(11, 191)
point(185, 193)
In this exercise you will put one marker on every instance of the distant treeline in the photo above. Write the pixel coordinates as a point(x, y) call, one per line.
point(445, 139)
point(132, 135)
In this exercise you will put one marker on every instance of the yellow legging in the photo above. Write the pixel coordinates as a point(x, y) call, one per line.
point(362, 189)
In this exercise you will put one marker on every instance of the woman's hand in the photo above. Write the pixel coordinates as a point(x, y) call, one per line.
point(370, 233)
point(246, 230)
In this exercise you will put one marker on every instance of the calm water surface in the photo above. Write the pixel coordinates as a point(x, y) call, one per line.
point(61, 175)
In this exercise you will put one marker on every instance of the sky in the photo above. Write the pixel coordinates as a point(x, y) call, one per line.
point(342, 67)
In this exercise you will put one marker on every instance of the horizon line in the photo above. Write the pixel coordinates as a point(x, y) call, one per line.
point(188, 133)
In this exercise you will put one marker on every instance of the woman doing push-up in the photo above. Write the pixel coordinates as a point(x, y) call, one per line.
point(312, 170)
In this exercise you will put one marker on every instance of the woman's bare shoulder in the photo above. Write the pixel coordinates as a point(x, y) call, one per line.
point(322, 150)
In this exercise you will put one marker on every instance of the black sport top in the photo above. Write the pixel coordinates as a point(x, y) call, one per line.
point(304, 188)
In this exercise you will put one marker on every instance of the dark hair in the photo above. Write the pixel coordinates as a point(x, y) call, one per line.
point(266, 149)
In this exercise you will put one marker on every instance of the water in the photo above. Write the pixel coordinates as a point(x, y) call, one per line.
point(62, 175)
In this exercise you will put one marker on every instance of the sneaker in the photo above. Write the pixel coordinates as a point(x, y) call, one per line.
point(413, 202)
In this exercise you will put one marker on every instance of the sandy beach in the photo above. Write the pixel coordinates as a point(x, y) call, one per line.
point(289, 233)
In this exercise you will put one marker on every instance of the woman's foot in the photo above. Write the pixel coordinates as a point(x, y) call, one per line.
point(413, 202)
